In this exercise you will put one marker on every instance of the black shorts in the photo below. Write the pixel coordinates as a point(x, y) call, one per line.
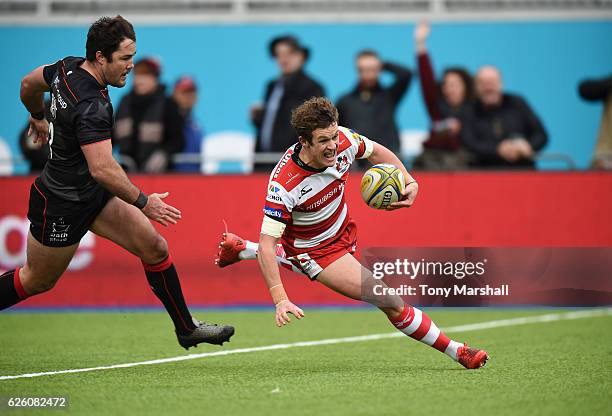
point(55, 222)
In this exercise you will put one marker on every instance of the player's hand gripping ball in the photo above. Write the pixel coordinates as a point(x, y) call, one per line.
point(382, 185)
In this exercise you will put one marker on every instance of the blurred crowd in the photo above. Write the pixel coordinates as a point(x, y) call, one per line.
point(474, 122)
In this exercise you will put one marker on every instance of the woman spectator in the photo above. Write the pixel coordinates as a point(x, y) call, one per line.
point(447, 104)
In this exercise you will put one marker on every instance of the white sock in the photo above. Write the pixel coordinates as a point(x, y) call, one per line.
point(250, 252)
point(451, 350)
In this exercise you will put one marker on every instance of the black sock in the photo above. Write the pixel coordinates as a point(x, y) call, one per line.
point(164, 282)
point(11, 291)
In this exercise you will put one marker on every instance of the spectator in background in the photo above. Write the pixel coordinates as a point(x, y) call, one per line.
point(448, 105)
point(503, 131)
point(287, 92)
point(369, 108)
point(185, 96)
point(601, 90)
point(148, 126)
point(35, 153)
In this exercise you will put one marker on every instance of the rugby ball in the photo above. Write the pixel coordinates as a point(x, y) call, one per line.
point(382, 185)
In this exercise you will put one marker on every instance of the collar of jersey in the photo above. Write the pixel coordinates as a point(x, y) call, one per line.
point(296, 158)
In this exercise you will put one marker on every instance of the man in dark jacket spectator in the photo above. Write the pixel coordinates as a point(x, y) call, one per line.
point(370, 108)
point(503, 131)
point(287, 92)
point(148, 126)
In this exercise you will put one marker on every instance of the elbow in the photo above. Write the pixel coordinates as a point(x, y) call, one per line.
point(97, 172)
point(263, 254)
point(25, 86)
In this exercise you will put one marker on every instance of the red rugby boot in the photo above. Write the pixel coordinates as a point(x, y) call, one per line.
point(229, 248)
point(471, 358)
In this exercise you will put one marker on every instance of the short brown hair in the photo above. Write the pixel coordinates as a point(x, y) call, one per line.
point(315, 113)
point(367, 52)
point(106, 34)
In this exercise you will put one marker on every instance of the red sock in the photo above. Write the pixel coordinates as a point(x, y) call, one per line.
point(11, 290)
point(417, 325)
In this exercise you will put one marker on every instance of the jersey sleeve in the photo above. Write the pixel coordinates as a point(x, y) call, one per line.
point(49, 71)
point(361, 146)
point(279, 203)
point(94, 121)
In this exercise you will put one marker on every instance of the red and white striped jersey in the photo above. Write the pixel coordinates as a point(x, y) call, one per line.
point(309, 201)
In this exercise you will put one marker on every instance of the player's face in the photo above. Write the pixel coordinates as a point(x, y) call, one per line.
point(323, 148)
point(116, 71)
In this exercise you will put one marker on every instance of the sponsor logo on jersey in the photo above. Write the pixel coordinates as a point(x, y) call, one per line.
point(292, 176)
point(273, 212)
point(282, 163)
point(305, 190)
point(274, 198)
point(53, 106)
point(272, 195)
point(60, 99)
point(325, 197)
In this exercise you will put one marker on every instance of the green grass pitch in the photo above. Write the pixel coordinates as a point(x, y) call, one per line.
point(555, 368)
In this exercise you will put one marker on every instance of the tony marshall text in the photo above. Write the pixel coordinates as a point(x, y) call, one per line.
point(455, 290)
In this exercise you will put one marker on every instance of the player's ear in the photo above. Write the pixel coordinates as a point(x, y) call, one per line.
point(303, 141)
point(100, 58)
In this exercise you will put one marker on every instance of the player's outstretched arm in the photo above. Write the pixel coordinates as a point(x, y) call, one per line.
point(33, 88)
point(381, 154)
point(269, 268)
point(108, 173)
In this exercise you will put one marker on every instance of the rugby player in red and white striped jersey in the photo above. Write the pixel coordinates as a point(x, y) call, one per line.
point(306, 211)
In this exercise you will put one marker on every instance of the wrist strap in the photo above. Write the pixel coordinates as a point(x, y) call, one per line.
point(39, 115)
point(281, 301)
point(141, 201)
point(278, 294)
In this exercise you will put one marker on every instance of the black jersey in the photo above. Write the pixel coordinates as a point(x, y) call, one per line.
point(80, 114)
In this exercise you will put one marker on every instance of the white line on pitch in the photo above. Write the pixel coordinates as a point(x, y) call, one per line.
point(589, 313)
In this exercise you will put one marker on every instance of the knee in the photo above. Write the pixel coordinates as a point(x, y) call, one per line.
point(156, 250)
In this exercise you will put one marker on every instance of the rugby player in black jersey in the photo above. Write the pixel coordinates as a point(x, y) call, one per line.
point(83, 188)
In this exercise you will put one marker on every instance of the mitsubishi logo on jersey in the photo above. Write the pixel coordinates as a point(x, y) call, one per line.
point(325, 197)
